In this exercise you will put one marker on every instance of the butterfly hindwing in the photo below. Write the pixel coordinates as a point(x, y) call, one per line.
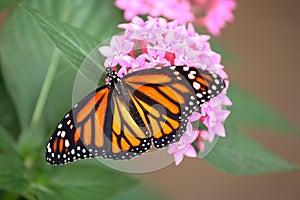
point(127, 138)
point(80, 134)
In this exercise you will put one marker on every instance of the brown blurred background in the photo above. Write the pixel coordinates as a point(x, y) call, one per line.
point(264, 40)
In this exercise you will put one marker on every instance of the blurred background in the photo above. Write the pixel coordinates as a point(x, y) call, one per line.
point(264, 48)
point(265, 45)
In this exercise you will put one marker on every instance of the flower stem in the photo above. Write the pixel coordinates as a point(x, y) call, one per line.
point(44, 93)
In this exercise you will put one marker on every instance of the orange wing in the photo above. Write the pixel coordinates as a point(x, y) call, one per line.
point(128, 139)
point(121, 120)
point(162, 99)
point(81, 133)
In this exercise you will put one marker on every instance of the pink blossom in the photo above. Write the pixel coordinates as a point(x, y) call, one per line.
point(133, 7)
point(215, 115)
point(117, 51)
point(184, 147)
point(203, 135)
point(219, 12)
point(157, 56)
point(212, 14)
point(194, 117)
point(146, 44)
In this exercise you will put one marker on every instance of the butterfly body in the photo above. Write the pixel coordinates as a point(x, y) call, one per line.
point(123, 118)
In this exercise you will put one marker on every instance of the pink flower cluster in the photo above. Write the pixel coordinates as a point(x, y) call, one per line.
point(213, 14)
point(146, 44)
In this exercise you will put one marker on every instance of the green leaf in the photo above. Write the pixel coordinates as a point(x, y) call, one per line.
point(12, 182)
point(138, 192)
point(74, 44)
point(26, 53)
point(240, 155)
point(4, 4)
point(247, 110)
point(8, 117)
point(7, 144)
point(24, 62)
point(11, 174)
point(88, 180)
point(30, 143)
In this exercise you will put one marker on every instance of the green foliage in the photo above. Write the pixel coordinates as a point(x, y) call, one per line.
point(34, 73)
point(8, 117)
point(238, 154)
point(4, 4)
point(74, 43)
point(7, 144)
point(138, 192)
point(43, 43)
point(12, 178)
point(86, 179)
point(251, 112)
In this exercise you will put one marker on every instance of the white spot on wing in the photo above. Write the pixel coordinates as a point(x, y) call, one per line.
point(199, 95)
point(63, 134)
point(191, 76)
point(186, 68)
point(67, 143)
point(196, 85)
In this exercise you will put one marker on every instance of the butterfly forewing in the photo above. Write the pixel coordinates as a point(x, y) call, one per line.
point(163, 99)
point(206, 84)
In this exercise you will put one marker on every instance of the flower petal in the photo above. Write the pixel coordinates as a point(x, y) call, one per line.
point(194, 117)
point(178, 157)
point(106, 51)
point(190, 152)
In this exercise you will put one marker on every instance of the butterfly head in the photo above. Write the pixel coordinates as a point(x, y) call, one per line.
point(112, 78)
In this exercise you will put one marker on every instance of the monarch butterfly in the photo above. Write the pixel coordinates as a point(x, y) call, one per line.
point(126, 116)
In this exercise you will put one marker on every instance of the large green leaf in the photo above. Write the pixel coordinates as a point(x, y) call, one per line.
point(27, 52)
point(33, 70)
point(87, 180)
point(25, 55)
point(11, 174)
point(238, 154)
point(138, 192)
point(248, 110)
point(7, 144)
point(74, 43)
point(8, 117)
point(4, 4)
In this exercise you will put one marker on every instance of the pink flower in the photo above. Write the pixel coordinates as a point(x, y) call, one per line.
point(213, 14)
point(157, 56)
point(203, 135)
point(117, 52)
point(133, 7)
point(184, 147)
point(215, 116)
point(146, 44)
point(218, 12)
